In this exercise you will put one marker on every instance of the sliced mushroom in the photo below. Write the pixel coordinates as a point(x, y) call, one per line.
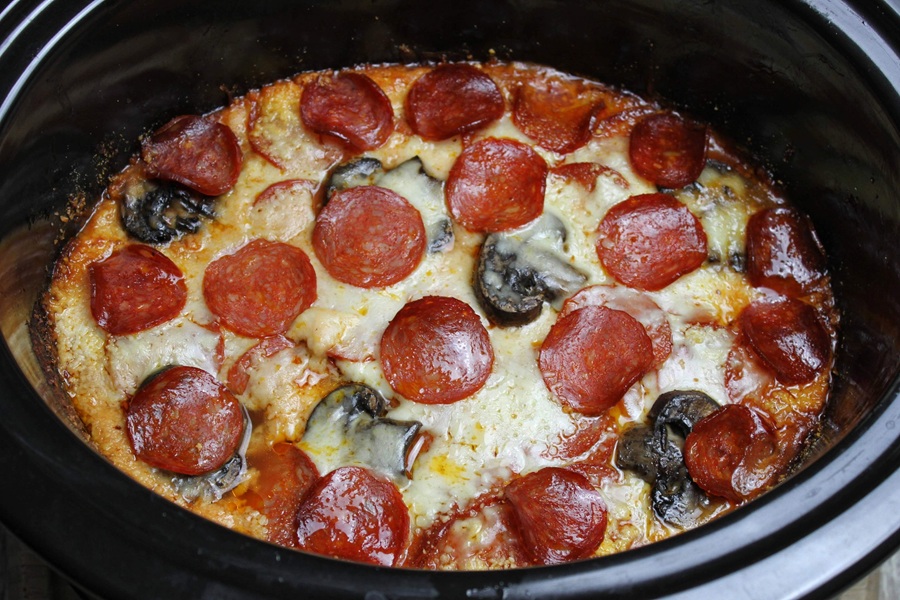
point(676, 499)
point(519, 271)
point(654, 453)
point(681, 409)
point(639, 450)
point(156, 213)
point(357, 172)
point(215, 484)
point(408, 179)
point(350, 425)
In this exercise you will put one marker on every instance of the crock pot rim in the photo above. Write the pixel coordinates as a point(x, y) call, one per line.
point(839, 461)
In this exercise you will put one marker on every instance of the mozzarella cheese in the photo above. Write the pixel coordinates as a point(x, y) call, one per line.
point(510, 426)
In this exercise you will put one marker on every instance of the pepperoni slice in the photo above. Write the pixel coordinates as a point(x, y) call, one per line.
point(638, 305)
point(198, 152)
point(667, 149)
point(650, 240)
point(135, 288)
point(729, 453)
point(592, 356)
point(276, 131)
point(436, 351)
point(259, 290)
point(350, 513)
point(483, 536)
point(496, 184)
point(560, 516)
point(586, 174)
point(183, 420)
point(747, 377)
point(788, 336)
point(286, 474)
point(452, 99)
point(783, 252)
point(369, 236)
point(557, 113)
point(238, 376)
point(349, 106)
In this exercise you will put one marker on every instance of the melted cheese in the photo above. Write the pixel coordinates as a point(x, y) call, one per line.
point(512, 424)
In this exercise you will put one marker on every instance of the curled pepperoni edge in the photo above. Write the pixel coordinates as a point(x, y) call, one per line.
point(134, 289)
point(633, 258)
point(668, 149)
point(575, 372)
point(184, 421)
point(198, 152)
point(496, 184)
point(637, 304)
point(380, 519)
point(349, 106)
point(560, 516)
point(452, 99)
point(365, 247)
point(240, 303)
point(732, 453)
point(425, 335)
point(783, 252)
point(788, 336)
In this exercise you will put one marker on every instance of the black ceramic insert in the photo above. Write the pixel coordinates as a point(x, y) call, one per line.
point(810, 87)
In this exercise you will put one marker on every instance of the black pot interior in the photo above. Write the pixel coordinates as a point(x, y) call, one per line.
point(812, 94)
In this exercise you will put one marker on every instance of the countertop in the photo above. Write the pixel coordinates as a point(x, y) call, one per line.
point(24, 576)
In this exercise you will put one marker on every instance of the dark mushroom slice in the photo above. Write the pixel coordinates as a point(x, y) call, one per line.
point(215, 484)
point(676, 499)
point(681, 409)
point(357, 172)
point(408, 179)
point(156, 212)
point(351, 423)
point(638, 450)
point(519, 271)
point(653, 452)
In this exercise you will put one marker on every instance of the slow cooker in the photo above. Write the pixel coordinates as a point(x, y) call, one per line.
point(809, 87)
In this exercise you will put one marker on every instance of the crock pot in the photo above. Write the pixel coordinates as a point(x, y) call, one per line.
point(810, 87)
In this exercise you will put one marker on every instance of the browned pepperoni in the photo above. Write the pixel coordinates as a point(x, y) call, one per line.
point(369, 236)
point(667, 149)
point(183, 420)
point(195, 151)
point(586, 174)
point(134, 289)
point(559, 515)
point(259, 290)
point(592, 356)
point(729, 453)
point(353, 514)
point(286, 474)
point(452, 99)
point(557, 113)
point(783, 252)
point(496, 184)
point(788, 336)
point(638, 305)
point(349, 106)
point(436, 351)
point(650, 240)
